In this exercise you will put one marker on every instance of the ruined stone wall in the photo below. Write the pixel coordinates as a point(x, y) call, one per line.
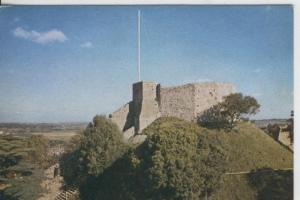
point(178, 101)
point(189, 100)
point(209, 94)
point(150, 101)
point(123, 117)
point(146, 106)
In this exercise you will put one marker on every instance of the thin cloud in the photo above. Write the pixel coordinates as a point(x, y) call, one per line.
point(16, 19)
point(257, 70)
point(53, 35)
point(87, 45)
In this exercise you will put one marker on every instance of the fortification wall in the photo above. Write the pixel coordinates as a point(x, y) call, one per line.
point(146, 105)
point(150, 101)
point(123, 117)
point(178, 101)
point(209, 94)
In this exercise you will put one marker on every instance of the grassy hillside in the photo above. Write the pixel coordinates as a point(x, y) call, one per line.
point(19, 177)
point(248, 148)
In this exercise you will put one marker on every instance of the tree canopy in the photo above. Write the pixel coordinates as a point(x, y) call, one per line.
point(179, 162)
point(92, 151)
point(102, 144)
point(175, 162)
point(226, 113)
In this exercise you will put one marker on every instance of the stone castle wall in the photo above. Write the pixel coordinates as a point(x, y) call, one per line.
point(146, 105)
point(208, 94)
point(122, 117)
point(150, 101)
point(178, 101)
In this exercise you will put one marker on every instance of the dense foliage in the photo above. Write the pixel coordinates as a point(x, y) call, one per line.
point(39, 146)
point(21, 163)
point(229, 111)
point(179, 162)
point(93, 150)
point(248, 148)
point(272, 185)
point(101, 145)
point(175, 162)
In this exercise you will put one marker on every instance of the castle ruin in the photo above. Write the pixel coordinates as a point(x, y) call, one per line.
point(150, 101)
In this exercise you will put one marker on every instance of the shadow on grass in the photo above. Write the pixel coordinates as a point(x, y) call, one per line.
point(118, 182)
point(7, 161)
point(272, 185)
point(4, 196)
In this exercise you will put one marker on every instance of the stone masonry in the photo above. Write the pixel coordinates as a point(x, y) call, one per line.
point(151, 101)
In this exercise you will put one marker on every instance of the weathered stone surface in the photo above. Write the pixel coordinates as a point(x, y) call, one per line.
point(178, 101)
point(120, 117)
point(137, 139)
point(209, 94)
point(145, 101)
point(150, 101)
point(128, 133)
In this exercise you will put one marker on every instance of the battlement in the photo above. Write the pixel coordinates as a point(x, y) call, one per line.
point(151, 101)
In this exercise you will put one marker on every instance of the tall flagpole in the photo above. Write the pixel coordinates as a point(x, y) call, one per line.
point(139, 45)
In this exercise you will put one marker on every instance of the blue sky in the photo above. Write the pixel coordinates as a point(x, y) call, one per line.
point(69, 63)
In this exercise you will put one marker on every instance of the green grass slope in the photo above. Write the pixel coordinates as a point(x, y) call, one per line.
point(19, 177)
point(248, 148)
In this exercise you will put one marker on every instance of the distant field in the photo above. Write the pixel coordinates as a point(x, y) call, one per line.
point(58, 131)
point(264, 122)
point(19, 128)
point(57, 135)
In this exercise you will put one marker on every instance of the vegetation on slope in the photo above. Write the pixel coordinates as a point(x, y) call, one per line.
point(180, 160)
point(228, 113)
point(175, 162)
point(248, 148)
point(92, 151)
point(21, 163)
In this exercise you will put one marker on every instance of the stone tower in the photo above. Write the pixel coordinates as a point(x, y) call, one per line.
point(145, 104)
point(151, 101)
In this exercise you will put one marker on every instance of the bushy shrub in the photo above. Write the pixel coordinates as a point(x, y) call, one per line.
point(39, 145)
point(272, 185)
point(102, 144)
point(226, 113)
point(175, 162)
point(178, 162)
point(213, 118)
point(92, 151)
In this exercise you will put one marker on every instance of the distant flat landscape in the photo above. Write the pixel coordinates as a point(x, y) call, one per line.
point(264, 122)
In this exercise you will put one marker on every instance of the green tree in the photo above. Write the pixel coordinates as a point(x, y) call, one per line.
point(178, 162)
point(213, 118)
point(39, 146)
point(229, 111)
point(175, 162)
point(71, 162)
point(102, 143)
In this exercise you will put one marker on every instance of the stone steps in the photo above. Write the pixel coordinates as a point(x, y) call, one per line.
point(68, 193)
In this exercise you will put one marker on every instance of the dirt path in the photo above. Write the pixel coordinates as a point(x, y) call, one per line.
point(52, 185)
point(249, 172)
